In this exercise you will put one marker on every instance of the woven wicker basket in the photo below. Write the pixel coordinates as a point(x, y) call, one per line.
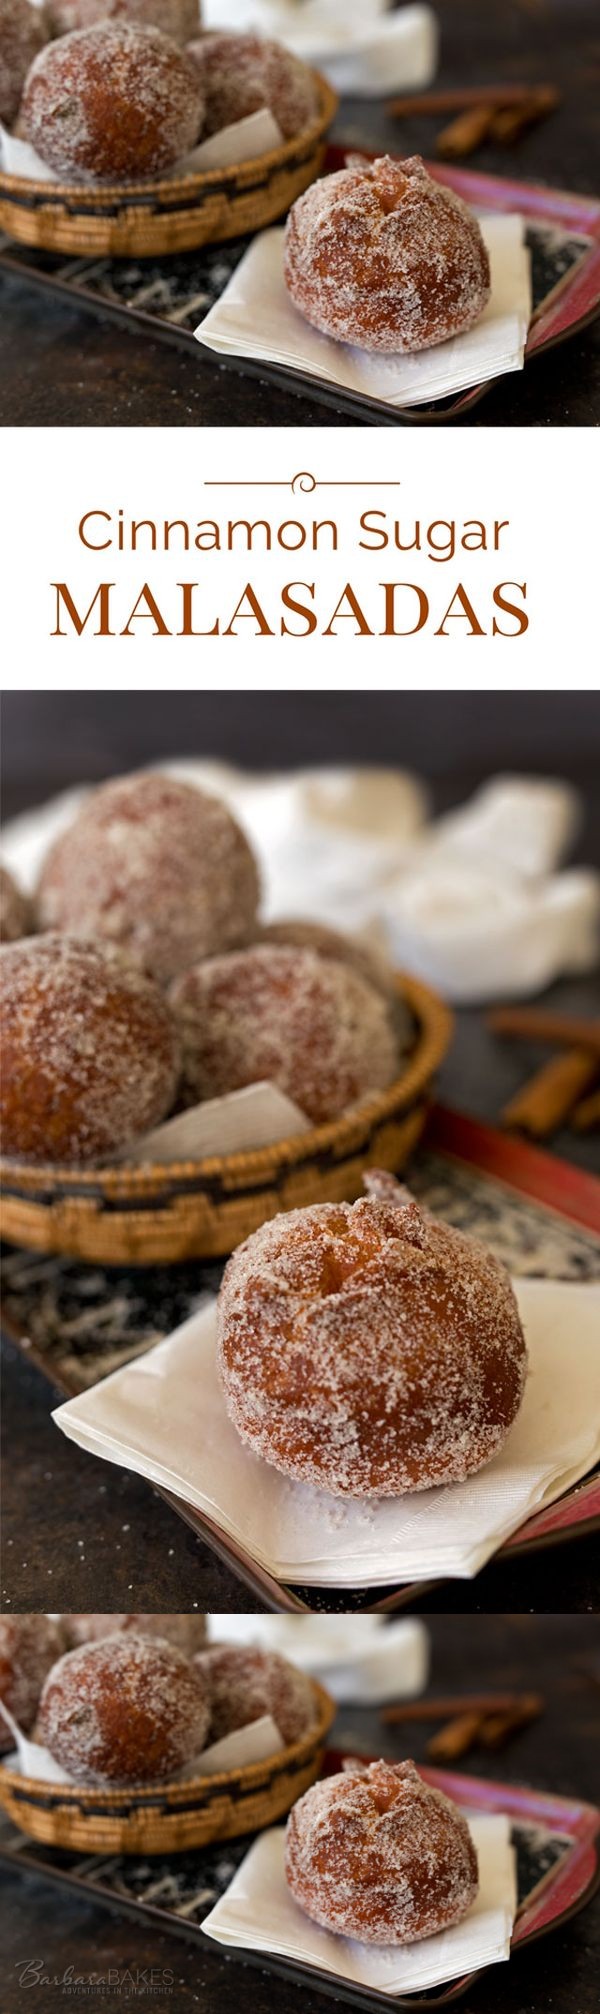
point(173, 1817)
point(149, 218)
point(155, 1214)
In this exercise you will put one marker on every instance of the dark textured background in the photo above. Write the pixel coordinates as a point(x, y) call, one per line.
point(61, 366)
point(561, 1752)
point(453, 739)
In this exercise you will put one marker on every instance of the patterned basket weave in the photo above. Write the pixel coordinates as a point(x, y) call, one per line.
point(154, 1214)
point(172, 1817)
point(149, 218)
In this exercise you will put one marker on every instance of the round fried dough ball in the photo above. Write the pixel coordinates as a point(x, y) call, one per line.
point(15, 909)
point(112, 103)
point(156, 866)
point(385, 257)
point(177, 18)
point(127, 1710)
point(23, 33)
point(378, 1854)
point(310, 1025)
point(187, 1632)
point(29, 1645)
point(242, 74)
point(246, 1683)
point(89, 1049)
point(329, 943)
point(368, 1349)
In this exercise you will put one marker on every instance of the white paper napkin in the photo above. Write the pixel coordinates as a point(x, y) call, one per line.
point(246, 140)
point(255, 1743)
point(255, 317)
point(256, 1117)
point(164, 1416)
point(361, 1659)
point(359, 44)
point(472, 903)
point(257, 1913)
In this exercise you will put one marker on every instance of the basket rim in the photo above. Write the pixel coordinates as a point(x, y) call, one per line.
point(435, 1022)
point(99, 193)
point(105, 1801)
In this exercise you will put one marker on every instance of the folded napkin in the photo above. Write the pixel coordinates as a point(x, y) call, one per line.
point(362, 47)
point(255, 317)
point(473, 902)
point(241, 1121)
point(164, 1416)
point(361, 1659)
point(257, 1913)
point(254, 1743)
point(246, 140)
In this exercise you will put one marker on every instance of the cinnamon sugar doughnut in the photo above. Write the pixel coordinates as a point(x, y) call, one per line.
point(116, 102)
point(310, 936)
point(385, 257)
point(23, 33)
point(368, 1349)
point(187, 1632)
point(126, 1710)
point(15, 910)
point(89, 1051)
point(242, 74)
point(246, 1683)
point(310, 1025)
point(378, 1854)
point(156, 866)
point(177, 18)
point(29, 1645)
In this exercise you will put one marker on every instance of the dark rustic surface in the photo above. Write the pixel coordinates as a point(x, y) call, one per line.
point(560, 1753)
point(73, 1526)
point(61, 366)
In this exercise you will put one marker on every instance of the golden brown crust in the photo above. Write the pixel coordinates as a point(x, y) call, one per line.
point(306, 1023)
point(156, 866)
point(126, 1710)
point(115, 102)
point(368, 1349)
point(29, 1646)
point(379, 1855)
point(385, 257)
point(89, 1051)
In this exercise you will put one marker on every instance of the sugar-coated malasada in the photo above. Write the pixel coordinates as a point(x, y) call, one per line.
point(368, 1348)
point(385, 257)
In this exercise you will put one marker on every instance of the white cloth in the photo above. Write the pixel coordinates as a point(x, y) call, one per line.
point(360, 46)
point(473, 903)
point(258, 1913)
point(164, 1416)
point(255, 317)
point(361, 1659)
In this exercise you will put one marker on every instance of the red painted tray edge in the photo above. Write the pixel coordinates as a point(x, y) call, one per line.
point(506, 1158)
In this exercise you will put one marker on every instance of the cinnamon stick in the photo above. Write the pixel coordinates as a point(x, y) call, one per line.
point(532, 1024)
point(546, 1100)
point(500, 1727)
point(447, 1707)
point(465, 133)
point(455, 1738)
point(459, 100)
point(509, 122)
point(587, 1115)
